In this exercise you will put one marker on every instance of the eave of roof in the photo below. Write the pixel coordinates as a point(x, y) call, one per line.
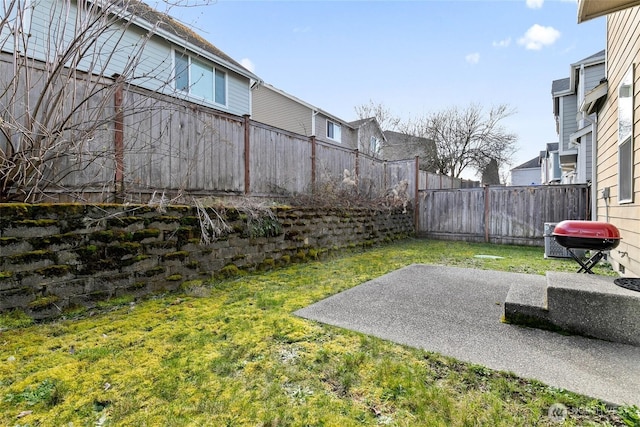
point(561, 86)
point(596, 58)
point(589, 9)
point(529, 164)
point(594, 99)
point(356, 124)
point(163, 25)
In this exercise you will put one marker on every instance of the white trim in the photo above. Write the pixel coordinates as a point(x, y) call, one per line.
point(188, 93)
point(629, 74)
point(335, 126)
point(573, 138)
point(592, 97)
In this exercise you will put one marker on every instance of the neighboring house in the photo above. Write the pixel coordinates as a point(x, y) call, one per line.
point(147, 48)
point(617, 150)
point(370, 136)
point(575, 130)
point(277, 108)
point(550, 172)
point(400, 146)
point(528, 173)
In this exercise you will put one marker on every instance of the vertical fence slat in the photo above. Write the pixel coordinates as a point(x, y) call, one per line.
point(505, 215)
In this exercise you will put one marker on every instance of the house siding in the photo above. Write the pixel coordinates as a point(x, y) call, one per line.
point(277, 110)
point(588, 139)
point(349, 136)
point(592, 76)
point(53, 23)
point(623, 47)
point(568, 124)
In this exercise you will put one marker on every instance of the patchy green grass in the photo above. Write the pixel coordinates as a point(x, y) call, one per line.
point(236, 356)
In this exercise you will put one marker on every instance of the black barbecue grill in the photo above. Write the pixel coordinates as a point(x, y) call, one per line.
point(590, 235)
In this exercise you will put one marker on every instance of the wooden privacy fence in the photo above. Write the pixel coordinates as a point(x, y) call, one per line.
point(126, 143)
point(503, 215)
point(163, 144)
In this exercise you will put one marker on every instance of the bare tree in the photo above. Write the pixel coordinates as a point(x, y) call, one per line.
point(469, 137)
point(383, 115)
point(63, 92)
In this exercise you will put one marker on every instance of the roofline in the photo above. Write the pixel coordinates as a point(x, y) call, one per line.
point(592, 59)
point(575, 66)
point(123, 13)
point(605, 8)
point(369, 120)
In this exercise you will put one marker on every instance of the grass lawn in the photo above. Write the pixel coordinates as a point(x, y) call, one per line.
point(230, 353)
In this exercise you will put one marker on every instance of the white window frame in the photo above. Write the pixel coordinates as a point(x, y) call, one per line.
point(625, 137)
point(334, 128)
point(190, 81)
point(22, 11)
point(374, 145)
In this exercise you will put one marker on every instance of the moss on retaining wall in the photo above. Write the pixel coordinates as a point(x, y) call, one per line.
point(107, 251)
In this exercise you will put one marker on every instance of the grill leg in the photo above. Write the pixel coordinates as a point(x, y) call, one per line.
point(593, 261)
point(589, 264)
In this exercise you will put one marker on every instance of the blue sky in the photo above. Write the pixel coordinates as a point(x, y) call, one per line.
point(414, 57)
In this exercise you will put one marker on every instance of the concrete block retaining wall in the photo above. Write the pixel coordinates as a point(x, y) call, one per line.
point(58, 257)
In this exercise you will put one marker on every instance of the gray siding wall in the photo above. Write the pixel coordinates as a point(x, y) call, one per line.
point(53, 26)
point(349, 137)
point(588, 141)
point(592, 76)
point(277, 110)
point(364, 134)
point(568, 125)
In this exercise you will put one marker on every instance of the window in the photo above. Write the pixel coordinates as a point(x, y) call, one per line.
point(374, 145)
point(199, 79)
point(221, 82)
point(18, 16)
point(334, 131)
point(625, 138)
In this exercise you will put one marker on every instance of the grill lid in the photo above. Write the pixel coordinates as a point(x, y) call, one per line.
point(587, 230)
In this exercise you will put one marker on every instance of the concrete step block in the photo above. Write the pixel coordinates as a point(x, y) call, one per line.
point(526, 304)
point(593, 306)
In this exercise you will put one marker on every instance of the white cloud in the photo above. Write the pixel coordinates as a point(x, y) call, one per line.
point(473, 58)
point(302, 29)
point(502, 43)
point(248, 64)
point(538, 36)
point(535, 4)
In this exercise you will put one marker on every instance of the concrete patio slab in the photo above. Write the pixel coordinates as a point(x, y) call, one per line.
point(457, 311)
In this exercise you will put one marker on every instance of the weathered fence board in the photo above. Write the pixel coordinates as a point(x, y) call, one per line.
point(280, 162)
point(372, 179)
point(148, 142)
point(505, 215)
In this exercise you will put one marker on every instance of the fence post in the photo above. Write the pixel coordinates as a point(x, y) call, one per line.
point(118, 142)
point(486, 214)
point(357, 170)
point(416, 204)
point(247, 158)
point(385, 181)
point(312, 140)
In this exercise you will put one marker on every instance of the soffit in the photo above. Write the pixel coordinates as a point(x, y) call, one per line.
point(589, 9)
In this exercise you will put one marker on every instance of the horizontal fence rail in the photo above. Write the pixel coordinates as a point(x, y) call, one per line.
point(503, 215)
